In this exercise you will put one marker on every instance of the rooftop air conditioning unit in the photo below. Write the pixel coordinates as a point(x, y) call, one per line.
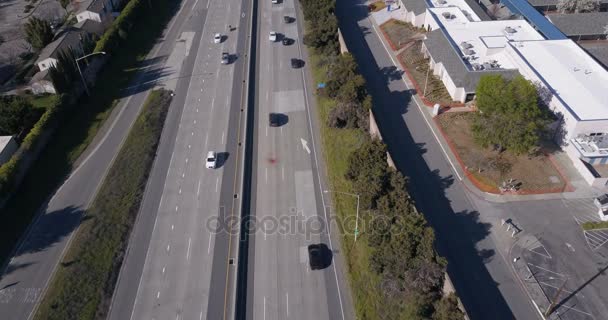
point(442, 2)
point(510, 30)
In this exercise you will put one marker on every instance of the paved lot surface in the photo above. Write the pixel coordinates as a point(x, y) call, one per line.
point(559, 254)
point(289, 203)
point(30, 269)
point(184, 275)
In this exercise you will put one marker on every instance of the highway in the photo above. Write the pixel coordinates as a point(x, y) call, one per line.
point(482, 278)
point(178, 267)
point(287, 187)
point(24, 279)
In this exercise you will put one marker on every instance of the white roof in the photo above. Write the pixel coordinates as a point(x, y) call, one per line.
point(461, 4)
point(4, 140)
point(483, 42)
point(578, 80)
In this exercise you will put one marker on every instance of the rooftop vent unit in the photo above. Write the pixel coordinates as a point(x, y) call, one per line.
point(477, 66)
point(442, 2)
point(466, 45)
point(448, 15)
point(510, 30)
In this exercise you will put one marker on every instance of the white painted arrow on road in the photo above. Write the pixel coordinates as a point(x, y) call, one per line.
point(305, 145)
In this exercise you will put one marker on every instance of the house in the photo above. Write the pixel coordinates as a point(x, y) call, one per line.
point(70, 38)
point(551, 5)
point(41, 83)
point(8, 146)
point(581, 26)
point(91, 27)
point(97, 10)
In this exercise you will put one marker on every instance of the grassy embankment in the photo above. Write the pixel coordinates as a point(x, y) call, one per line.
point(79, 127)
point(83, 284)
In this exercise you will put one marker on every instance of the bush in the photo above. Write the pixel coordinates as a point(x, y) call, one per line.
point(9, 170)
point(119, 30)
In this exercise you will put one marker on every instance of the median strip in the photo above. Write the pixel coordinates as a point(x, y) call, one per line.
point(83, 284)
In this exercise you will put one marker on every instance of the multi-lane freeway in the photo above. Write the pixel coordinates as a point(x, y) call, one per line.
point(179, 265)
point(182, 269)
point(287, 187)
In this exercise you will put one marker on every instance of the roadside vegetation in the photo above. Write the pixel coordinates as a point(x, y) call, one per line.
point(83, 284)
point(79, 123)
point(506, 145)
point(394, 270)
point(594, 225)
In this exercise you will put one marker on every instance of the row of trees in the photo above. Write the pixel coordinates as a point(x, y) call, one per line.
point(400, 241)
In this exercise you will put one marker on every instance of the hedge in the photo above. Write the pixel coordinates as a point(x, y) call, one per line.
point(119, 28)
point(9, 170)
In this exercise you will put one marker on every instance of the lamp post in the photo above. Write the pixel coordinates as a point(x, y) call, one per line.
point(86, 88)
point(357, 218)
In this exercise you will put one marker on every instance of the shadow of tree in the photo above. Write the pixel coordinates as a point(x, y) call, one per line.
point(457, 232)
point(51, 228)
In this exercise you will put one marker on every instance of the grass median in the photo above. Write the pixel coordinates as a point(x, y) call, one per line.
point(337, 145)
point(79, 127)
point(84, 281)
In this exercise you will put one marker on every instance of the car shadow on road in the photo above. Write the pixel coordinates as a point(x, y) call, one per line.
point(457, 232)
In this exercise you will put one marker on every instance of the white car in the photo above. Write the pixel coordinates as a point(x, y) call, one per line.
point(217, 38)
point(275, 1)
point(211, 162)
point(273, 36)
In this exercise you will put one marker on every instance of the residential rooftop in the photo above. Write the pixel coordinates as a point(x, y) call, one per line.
point(4, 140)
point(580, 24)
point(575, 78)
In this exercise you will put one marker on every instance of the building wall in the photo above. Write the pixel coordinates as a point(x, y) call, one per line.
point(7, 152)
point(88, 15)
point(47, 63)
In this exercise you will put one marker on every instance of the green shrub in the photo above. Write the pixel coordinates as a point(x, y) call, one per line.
point(119, 29)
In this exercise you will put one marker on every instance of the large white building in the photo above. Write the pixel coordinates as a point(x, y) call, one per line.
point(461, 48)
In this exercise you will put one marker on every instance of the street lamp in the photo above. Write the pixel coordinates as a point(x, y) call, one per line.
point(357, 218)
point(86, 89)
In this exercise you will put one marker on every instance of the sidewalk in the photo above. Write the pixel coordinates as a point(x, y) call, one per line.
point(579, 188)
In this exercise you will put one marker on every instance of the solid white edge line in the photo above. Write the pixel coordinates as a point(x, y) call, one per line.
point(314, 151)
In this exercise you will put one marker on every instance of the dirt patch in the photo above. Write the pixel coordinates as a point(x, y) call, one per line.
point(377, 6)
point(488, 169)
point(417, 66)
point(399, 33)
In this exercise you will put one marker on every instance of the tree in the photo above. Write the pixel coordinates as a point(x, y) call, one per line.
point(38, 33)
point(510, 116)
point(576, 6)
point(367, 169)
point(14, 112)
point(65, 3)
point(64, 72)
point(447, 309)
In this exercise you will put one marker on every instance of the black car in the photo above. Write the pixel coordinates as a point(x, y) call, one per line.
point(296, 63)
point(286, 41)
point(225, 57)
point(288, 19)
point(315, 257)
point(274, 119)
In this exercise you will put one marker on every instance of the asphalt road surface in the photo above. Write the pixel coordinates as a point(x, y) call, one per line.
point(186, 273)
point(26, 276)
point(288, 207)
point(487, 287)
